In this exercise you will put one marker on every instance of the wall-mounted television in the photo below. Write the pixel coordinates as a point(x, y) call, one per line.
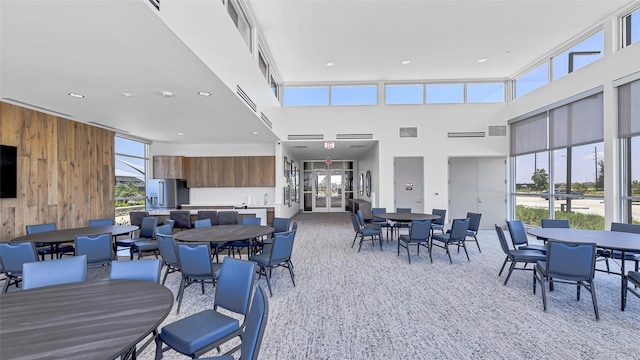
point(8, 171)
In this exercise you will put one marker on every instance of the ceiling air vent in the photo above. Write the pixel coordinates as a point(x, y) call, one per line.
point(266, 120)
point(408, 132)
point(497, 130)
point(246, 98)
point(35, 107)
point(353, 136)
point(306, 137)
point(299, 147)
point(466, 134)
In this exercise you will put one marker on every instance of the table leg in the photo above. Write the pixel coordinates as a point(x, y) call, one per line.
point(622, 277)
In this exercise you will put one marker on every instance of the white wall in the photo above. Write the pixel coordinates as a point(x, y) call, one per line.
point(369, 162)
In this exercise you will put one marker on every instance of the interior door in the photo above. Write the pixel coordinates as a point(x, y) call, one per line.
point(409, 183)
point(320, 178)
point(328, 191)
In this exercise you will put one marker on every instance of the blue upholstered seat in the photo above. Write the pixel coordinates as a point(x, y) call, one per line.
point(362, 233)
point(474, 226)
point(519, 237)
point(516, 256)
point(383, 223)
point(194, 261)
point(100, 222)
point(147, 231)
point(98, 248)
point(418, 236)
point(631, 284)
point(194, 332)
point(54, 248)
point(456, 237)
point(438, 224)
point(244, 244)
point(279, 255)
point(54, 272)
point(167, 249)
point(12, 257)
point(144, 270)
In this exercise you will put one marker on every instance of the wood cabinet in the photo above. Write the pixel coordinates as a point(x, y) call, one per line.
point(199, 172)
point(169, 167)
point(231, 171)
point(262, 171)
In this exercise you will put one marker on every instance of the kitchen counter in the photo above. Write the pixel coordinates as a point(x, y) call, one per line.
point(262, 213)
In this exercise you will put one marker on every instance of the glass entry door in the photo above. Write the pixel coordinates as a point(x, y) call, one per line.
point(328, 190)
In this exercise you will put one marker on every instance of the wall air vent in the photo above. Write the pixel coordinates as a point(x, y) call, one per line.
point(408, 132)
point(306, 137)
point(466, 134)
point(246, 98)
point(299, 147)
point(266, 120)
point(497, 130)
point(108, 127)
point(35, 107)
point(155, 3)
point(353, 136)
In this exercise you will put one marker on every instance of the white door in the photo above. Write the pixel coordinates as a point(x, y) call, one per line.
point(328, 191)
point(478, 185)
point(408, 183)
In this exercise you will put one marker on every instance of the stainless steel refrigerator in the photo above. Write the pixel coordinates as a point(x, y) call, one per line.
point(166, 194)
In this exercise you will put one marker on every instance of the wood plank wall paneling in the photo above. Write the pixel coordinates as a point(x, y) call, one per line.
point(66, 171)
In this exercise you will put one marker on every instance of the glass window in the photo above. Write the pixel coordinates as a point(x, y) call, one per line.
point(483, 93)
point(445, 93)
point(631, 28)
point(532, 80)
point(404, 94)
point(240, 20)
point(274, 85)
point(532, 187)
point(354, 95)
point(306, 96)
point(579, 55)
point(130, 168)
point(262, 64)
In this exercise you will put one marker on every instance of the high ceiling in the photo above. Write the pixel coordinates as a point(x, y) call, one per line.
point(104, 49)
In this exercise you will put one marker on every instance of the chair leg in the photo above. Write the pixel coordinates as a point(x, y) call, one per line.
point(592, 289)
point(465, 250)
point(180, 294)
point(166, 273)
point(477, 243)
point(503, 265)
point(267, 274)
point(408, 254)
point(354, 240)
point(513, 265)
point(290, 266)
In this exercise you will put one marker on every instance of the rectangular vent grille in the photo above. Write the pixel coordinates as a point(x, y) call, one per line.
point(466, 134)
point(408, 132)
point(246, 98)
point(155, 3)
point(497, 130)
point(306, 137)
point(35, 107)
point(266, 120)
point(353, 136)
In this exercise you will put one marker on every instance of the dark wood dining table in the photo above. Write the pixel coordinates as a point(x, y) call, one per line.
point(223, 233)
point(69, 235)
point(87, 320)
point(405, 217)
point(611, 240)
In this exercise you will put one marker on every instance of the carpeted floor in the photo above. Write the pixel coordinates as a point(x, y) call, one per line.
point(375, 305)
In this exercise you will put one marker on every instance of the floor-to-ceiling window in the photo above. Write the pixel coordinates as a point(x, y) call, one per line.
point(629, 133)
point(131, 164)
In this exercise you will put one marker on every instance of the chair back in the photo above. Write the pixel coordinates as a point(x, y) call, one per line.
point(555, 223)
point(294, 227)
point(144, 270)
point(38, 228)
point(251, 221)
point(194, 259)
point(202, 223)
point(360, 217)
point(420, 229)
point(403, 210)
point(167, 248)
point(356, 223)
point(517, 232)
point(136, 217)
point(235, 285)
point(571, 261)
point(208, 214)
point(375, 211)
point(227, 217)
point(459, 229)
point(97, 248)
point(282, 247)
point(254, 329)
point(440, 212)
point(281, 224)
point(53, 272)
point(182, 218)
point(148, 227)
point(503, 240)
point(166, 229)
point(628, 228)
point(100, 222)
point(474, 221)
point(13, 256)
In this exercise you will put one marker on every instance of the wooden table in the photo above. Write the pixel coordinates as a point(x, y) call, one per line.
point(612, 240)
point(223, 233)
point(88, 320)
point(405, 217)
point(69, 235)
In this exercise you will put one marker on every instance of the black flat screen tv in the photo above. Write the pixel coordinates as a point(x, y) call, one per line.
point(8, 171)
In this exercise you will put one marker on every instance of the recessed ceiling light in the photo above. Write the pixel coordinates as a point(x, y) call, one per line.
point(167, 94)
point(255, 132)
point(76, 95)
point(507, 52)
point(127, 95)
point(204, 93)
point(482, 60)
point(405, 62)
point(330, 63)
point(181, 133)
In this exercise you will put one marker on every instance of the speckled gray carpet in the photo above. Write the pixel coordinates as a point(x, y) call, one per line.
point(375, 305)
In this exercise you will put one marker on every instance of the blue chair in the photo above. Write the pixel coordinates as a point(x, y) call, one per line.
point(253, 331)
point(169, 222)
point(278, 256)
point(397, 225)
point(51, 249)
point(244, 244)
point(200, 223)
point(438, 224)
point(555, 223)
point(279, 225)
point(100, 222)
point(456, 237)
point(167, 249)
point(628, 255)
point(519, 237)
point(97, 248)
point(418, 236)
point(182, 218)
point(362, 233)
point(516, 256)
point(194, 261)
point(150, 245)
point(474, 226)
point(144, 270)
point(147, 231)
point(54, 272)
point(632, 277)
point(197, 334)
point(212, 215)
point(383, 223)
point(12, 257)
point(568, 263)
point(215, 247)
